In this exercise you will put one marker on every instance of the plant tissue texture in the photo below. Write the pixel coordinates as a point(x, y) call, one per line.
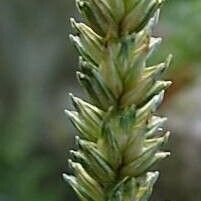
point(120, 134)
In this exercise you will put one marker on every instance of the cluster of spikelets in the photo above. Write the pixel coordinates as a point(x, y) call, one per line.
point(120, 134)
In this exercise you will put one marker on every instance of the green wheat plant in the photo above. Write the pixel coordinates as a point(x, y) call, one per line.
point(121, 135)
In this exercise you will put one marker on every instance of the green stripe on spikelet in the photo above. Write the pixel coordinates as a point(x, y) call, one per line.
point(120, 135)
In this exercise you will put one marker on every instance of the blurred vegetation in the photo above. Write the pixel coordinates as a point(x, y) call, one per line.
point(181, 31)
point(37, 69)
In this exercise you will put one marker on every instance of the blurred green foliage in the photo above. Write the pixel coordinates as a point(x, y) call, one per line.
point(181, 31)
point(37, 66)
